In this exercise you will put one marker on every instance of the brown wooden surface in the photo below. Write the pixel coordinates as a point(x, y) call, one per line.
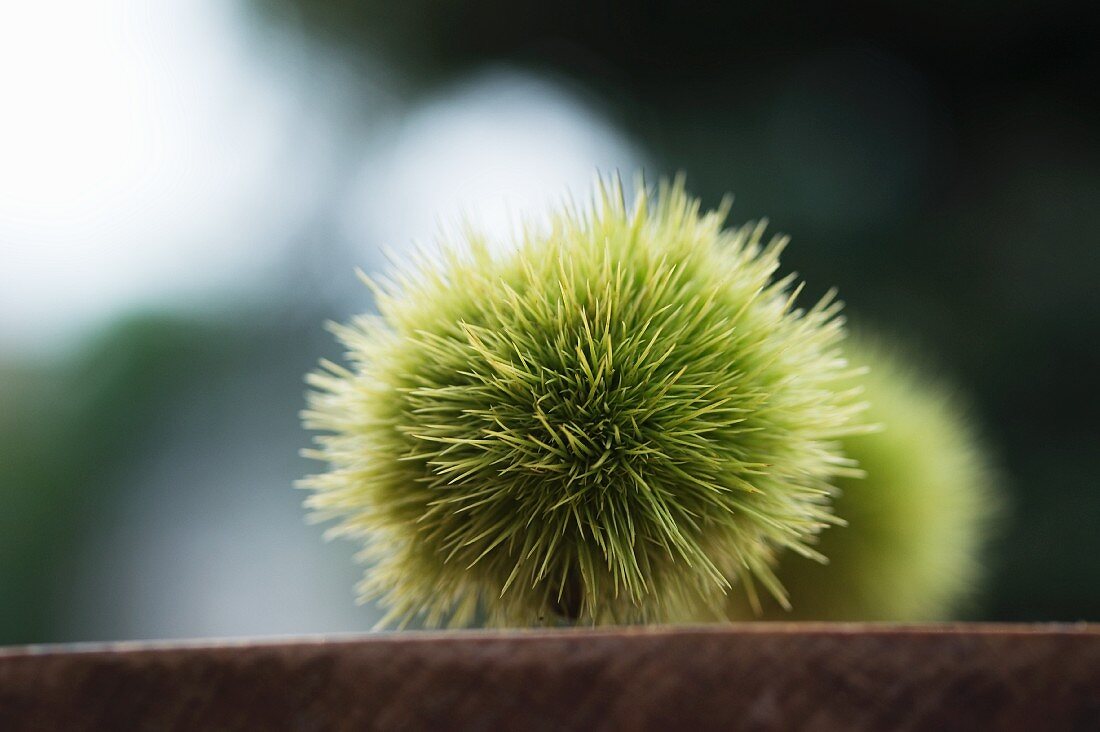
point(843, 677)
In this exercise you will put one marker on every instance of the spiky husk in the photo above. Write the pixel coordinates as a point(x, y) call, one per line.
point(916, 523)
point(612, 424)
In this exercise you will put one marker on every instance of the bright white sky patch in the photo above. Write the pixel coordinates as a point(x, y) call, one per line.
point(149, 155)
point(499, 148)
point(135, 142)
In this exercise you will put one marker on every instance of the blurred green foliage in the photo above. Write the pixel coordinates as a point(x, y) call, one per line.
point(67, 431)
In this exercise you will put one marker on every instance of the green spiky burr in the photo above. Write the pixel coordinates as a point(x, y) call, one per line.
point(615, 422)
point(918, 520)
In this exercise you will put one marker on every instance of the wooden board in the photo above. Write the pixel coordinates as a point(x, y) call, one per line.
point(759, 676)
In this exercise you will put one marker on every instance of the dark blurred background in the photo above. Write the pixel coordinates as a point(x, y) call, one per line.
point(186, 186)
